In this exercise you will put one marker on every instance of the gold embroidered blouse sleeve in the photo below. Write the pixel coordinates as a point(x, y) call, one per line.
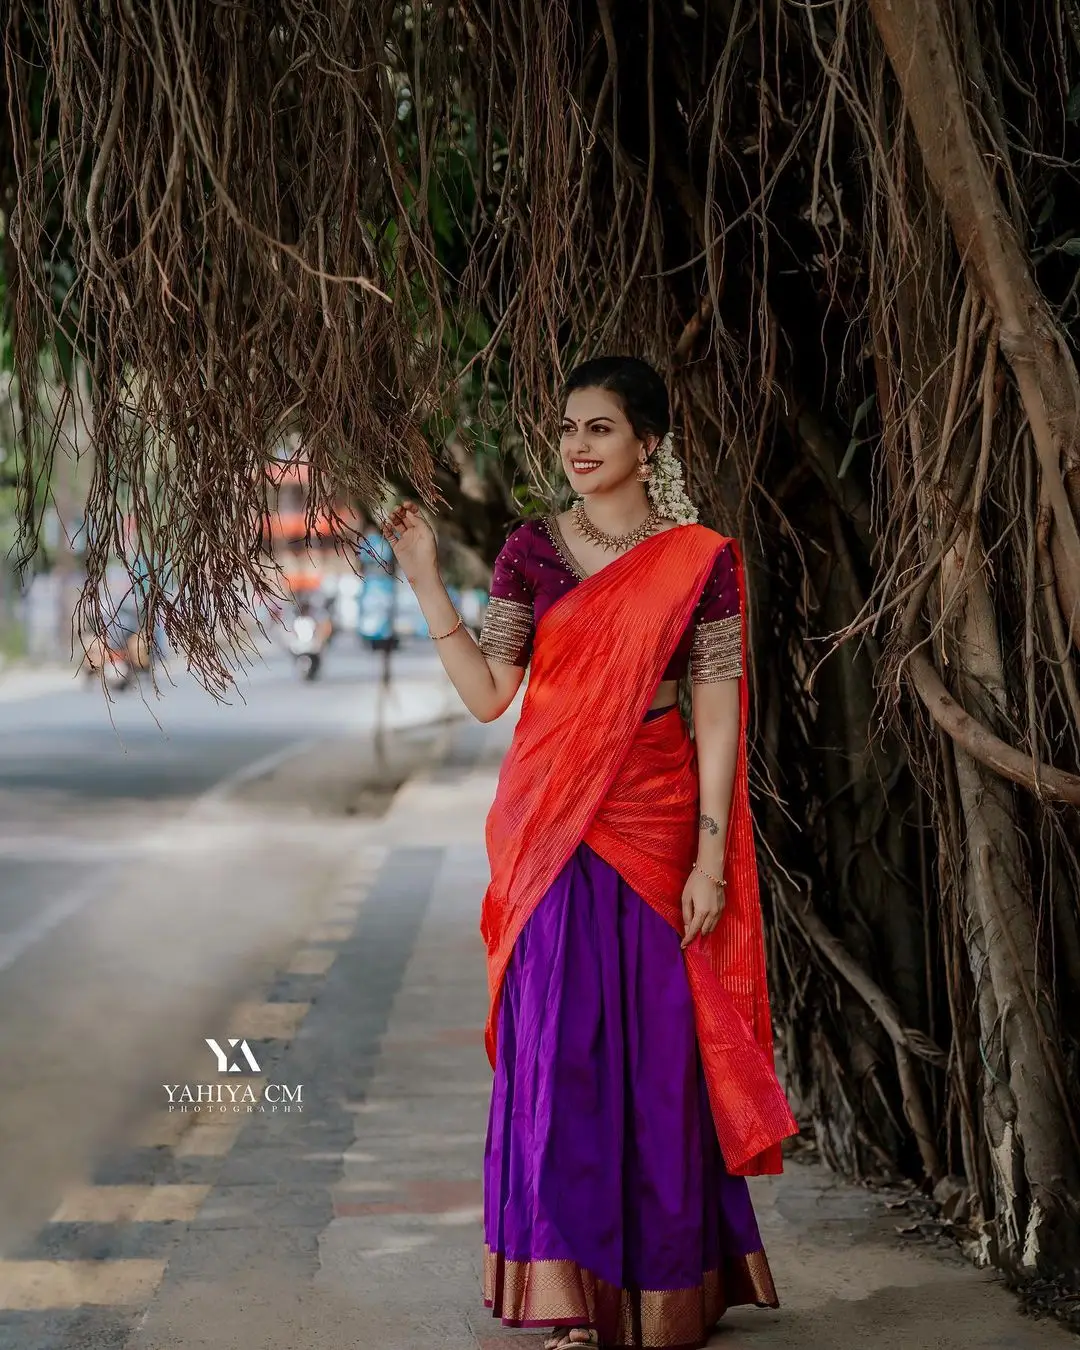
point(716, 650)
point(506, 630)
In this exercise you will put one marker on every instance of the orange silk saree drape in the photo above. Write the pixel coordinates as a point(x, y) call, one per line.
point(585, 766)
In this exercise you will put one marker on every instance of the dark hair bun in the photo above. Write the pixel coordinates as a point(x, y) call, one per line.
point(639, 388)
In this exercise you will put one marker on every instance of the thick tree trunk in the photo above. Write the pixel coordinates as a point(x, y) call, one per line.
point(915, 37)
point(1025, 1119)
point(1035, 1154)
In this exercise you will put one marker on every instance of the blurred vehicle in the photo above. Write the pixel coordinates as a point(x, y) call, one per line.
point(338, 595)
point(124, 650)
point(111, 664)
point(378, 598)
point(376, 623)
point(409, 618)
point(346, 603)
point(308, 635)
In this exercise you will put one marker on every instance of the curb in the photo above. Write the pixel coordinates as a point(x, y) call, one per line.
point(435, 700)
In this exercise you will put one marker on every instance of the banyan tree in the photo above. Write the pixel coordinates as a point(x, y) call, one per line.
point(848, 234)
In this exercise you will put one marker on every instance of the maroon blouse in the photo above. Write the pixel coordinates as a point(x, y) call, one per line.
point(535, 566)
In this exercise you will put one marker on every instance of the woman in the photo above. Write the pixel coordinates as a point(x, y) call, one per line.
point(629, 1028)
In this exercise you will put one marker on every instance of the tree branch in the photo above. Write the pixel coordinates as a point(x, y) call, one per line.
point(981, 744)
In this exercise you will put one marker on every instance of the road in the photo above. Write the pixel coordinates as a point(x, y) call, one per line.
point(138, 900)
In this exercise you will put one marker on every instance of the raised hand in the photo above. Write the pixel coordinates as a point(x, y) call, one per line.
point(413, 542)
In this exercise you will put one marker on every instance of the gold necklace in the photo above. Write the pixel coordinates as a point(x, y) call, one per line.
point(597, 536)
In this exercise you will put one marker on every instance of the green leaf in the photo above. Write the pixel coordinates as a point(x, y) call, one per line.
point(856, 422)
point(1072, 104)
point(1071, 246)
point(849, 454)
point(861, 411)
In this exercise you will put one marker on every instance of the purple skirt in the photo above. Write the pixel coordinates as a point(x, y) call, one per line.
point(606, 1200)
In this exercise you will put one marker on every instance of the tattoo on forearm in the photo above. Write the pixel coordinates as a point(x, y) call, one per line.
point(707, 823)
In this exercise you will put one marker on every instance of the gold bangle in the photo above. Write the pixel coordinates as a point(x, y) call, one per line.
point(438, 637)
point(716, 881)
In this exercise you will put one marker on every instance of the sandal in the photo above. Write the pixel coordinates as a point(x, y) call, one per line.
point(572, 1338)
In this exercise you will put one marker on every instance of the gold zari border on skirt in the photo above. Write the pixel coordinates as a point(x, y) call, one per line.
point(551, 1293)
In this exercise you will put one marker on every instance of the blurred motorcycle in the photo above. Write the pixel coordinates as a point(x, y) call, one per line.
point(110, 663)
point(121, 653)
point(308, 637)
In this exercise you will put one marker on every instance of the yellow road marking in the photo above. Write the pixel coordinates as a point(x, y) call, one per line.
point(209, 1141)
point(131, 1204)
point(32, 1285)
point(268, 1021)
point(312, 961)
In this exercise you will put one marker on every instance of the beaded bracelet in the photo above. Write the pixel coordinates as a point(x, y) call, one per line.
point(716, 881)
point(438, 637)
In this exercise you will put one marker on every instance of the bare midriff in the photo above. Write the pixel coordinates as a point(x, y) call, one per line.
point(666, 694)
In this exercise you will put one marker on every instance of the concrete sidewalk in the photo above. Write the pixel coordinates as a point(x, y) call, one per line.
point(357, 1222)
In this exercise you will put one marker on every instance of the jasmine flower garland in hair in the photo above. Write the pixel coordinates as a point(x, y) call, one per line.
point(667, 486)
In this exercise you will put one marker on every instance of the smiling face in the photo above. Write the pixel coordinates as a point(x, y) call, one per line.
point(599, 447)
